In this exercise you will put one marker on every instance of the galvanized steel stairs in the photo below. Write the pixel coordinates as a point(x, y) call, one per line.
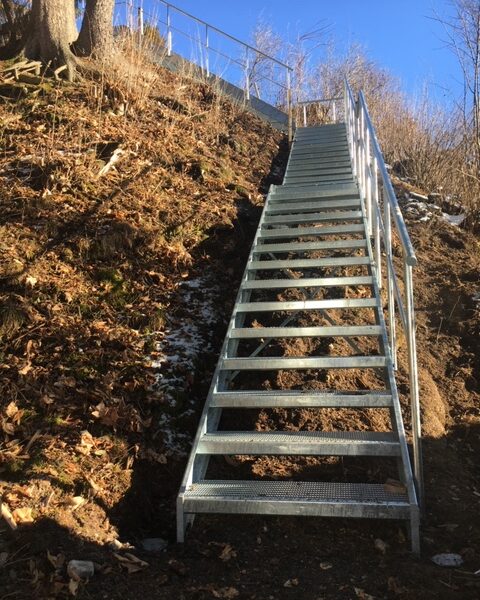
point(312, 254)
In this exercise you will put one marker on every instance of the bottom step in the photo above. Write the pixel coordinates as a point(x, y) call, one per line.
point(357, 500)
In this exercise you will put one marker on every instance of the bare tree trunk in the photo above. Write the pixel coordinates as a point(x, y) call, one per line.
point(96, 34)
point(53, 27)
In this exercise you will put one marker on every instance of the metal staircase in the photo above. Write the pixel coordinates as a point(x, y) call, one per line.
point(314, 274)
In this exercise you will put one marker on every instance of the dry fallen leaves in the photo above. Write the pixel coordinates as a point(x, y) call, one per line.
point(75, 502)
point(7, 515)
point(226, 593)
point(227, 553)
point(131, 563)
point(23, 516)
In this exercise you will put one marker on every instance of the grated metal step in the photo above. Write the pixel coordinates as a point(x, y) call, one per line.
point(300, 443)
point(354, 500)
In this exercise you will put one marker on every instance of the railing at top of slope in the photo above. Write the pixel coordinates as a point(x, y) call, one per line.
point(256, 68)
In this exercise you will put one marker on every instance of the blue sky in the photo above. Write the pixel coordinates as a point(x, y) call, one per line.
point(397, 34)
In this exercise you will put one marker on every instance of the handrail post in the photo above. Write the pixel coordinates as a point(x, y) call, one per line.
point(368, 180)
point(289, 106)
point(390, 293)
point(247, 75)
point(334, 111)
point(376, 221)
point(207, 58)
point(140, 24)
point(169, 32)
point(304, 115)
point(414, 394)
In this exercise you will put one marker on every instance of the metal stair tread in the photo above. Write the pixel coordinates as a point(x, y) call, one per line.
point(246, 333)
point(296, 498)
point(309, 246)
point(269, 363)
point(285, 206)
point(318, 443)
point(302, 305)
point(302, 398)
point(346, 215)
point(296, 232)
point(306, 282)
point(308, 263)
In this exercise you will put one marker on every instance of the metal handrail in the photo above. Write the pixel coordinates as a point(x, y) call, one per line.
point(203, 40)
point(382, 209)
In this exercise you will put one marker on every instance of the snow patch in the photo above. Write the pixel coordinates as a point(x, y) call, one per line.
point(187, 337)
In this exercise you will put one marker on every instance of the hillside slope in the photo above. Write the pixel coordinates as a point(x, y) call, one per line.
point(125, 223)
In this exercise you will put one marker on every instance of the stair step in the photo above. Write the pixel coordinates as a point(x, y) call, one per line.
point(313, 153)
point(321, 178)
point(305, 282)
point(309, 246)
point(299, 148)
point(308, 263)
point(346, 215)
point(316, 443)
point(306, 165)
point(314, 192)
point(296, 232)
point(303, 362)
point(319, 163)
point(249, 333)
point(301, 399)
point(254, 307)
point(283, 206)
point(355, 500)
point(326, 171)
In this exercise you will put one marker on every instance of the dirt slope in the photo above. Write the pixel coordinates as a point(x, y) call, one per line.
point(115, 291)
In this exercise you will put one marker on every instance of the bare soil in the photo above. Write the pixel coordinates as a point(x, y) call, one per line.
point(99, 402)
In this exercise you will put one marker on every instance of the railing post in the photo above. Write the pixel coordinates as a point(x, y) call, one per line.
point(334, 111)
point(247, 75)
point(304, 115)
point(130, 15)
point(387, 223)
point(169, 32)
point(289, 106)
point(414, 394)
point(140, 24)
point(376, 221)
point(207, 57)
point(368, 179)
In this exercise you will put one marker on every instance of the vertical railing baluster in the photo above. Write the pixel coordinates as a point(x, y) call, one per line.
point(304, 115)
point(247, 75)
point(387, 223)
point(169, 32)
point(289, 105)
point(414, 395)
point(207, 46)
point(376, 217)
